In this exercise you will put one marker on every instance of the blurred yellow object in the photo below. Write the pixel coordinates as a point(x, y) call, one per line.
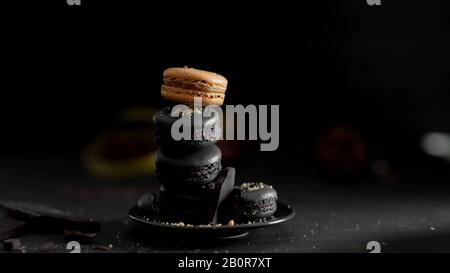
point(136, 114)
point(127, 150)
point(99, 167)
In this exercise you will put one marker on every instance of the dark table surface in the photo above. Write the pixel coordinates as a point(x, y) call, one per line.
point(329, 217)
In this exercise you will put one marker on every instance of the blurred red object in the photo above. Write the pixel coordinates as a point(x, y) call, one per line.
point(342, 150)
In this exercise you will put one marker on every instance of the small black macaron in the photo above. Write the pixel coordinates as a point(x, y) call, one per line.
point(255, 200)
point(196, 167)
point(207, 131)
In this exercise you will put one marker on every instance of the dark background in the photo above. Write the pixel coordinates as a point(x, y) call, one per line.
point(380, 72)
point(67, 70)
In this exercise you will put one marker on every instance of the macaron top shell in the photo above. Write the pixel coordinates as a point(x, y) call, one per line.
point(197, 158)
point(257, 192)
point(196, 76)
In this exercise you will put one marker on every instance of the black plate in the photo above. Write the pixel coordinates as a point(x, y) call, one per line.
point(283, 213)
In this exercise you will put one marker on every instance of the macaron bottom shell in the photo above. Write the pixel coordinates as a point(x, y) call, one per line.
point(187, 97)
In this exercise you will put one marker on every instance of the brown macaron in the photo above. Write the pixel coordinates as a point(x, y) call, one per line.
point(182, 85)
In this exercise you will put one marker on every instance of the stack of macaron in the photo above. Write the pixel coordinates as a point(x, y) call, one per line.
point(195, 189)
point(193, 183)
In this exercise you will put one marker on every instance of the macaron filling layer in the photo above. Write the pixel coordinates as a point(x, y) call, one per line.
point(194, 85)
point(167, 90)
point(199, 175)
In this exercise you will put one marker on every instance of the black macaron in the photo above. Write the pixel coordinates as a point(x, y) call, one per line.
point(205, 132)
point(197, 167)
point(253, 201)
point(197, 205)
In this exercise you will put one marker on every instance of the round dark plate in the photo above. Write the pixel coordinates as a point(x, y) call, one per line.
point(283, 213)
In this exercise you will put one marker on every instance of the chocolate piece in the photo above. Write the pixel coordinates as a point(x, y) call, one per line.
point(198, 167)
point(45, 219)
point(103, 248)
point(199, 206)
point(10, 228)
point(224, 185)
point(12, 245)
point(49, 247)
